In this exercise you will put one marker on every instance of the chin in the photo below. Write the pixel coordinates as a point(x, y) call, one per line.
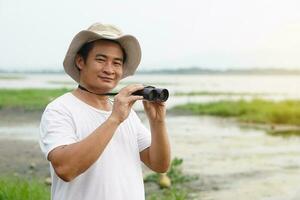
point(108, 85)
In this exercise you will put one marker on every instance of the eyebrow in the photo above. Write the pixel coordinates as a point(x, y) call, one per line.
point(105, 56)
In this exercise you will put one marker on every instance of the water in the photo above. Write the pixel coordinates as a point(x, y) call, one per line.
point(232, 162)
point(287, 85)
point(24, 132)
point(273, 87)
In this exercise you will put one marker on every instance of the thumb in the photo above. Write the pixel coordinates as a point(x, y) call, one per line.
point(146, 104)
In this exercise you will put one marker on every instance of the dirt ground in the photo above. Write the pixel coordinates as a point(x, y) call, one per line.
point(23, 158)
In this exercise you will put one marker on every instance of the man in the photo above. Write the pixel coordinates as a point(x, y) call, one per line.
point(94, 146)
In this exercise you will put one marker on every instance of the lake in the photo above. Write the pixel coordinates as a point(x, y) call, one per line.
point(274, 87)
point(268, 84)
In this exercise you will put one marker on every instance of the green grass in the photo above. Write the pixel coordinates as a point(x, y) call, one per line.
point(284, 134)
point(179, 181)
point(28, 99)
point(11, 77)
point(14, 188)
point(257, 110)
point(170, 194)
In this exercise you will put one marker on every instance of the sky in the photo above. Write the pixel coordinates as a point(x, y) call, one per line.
point(212, 34)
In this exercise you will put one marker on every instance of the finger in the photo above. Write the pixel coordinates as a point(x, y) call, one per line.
point(148, 104)
point(161, 103)
point(128, 90)
point(131, 103)
point(134, 98)
point(135, 88)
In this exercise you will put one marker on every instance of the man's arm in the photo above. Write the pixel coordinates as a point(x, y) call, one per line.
point(157, 156)
point(69, 161)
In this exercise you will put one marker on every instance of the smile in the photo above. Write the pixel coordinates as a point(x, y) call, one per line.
point(106, 78)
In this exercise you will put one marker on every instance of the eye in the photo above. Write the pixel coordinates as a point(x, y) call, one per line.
point(101, 60)
point(118, 63)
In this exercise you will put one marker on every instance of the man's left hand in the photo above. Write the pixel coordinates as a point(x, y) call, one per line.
point(156, 111)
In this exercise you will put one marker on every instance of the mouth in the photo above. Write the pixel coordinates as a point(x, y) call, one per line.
point(106, 79)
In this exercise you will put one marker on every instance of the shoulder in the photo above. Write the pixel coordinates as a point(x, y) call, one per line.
point(61, 105)
point(60, 102)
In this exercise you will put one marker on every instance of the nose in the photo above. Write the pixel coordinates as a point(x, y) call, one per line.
point(108, 68)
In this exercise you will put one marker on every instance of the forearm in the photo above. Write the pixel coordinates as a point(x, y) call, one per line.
point(159, 151)
point(72, 160)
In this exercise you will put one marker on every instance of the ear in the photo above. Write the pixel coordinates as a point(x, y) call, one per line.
point(79, 62)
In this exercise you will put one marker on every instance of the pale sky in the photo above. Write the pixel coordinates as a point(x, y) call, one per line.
point(213, 34)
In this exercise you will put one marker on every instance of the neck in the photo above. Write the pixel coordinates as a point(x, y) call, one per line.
point(84, 89)
point(97, 100)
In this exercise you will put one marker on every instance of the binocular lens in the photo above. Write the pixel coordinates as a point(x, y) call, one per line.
point(163, 95)
point(153, 94)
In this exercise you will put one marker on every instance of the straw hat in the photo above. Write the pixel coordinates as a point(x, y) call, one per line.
point(103, 31)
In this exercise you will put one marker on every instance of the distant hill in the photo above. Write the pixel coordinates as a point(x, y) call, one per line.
point(196, 70)
point(33, 71)
point(190, 70)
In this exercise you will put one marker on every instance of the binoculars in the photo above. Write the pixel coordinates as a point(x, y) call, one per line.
point(151, 93)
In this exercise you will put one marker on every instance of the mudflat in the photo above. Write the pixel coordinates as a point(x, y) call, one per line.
point(22, 158)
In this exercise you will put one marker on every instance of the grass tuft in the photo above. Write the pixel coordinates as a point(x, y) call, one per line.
point(178, 189)
point(255, 111)
point(28, 99)
point(15, 188)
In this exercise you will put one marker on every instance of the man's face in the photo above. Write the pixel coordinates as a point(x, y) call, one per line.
point(103, 67)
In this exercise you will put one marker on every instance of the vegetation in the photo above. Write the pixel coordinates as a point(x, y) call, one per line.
point(15, 188)
point(10, 77)
point(257, 110)
point(24, 188)
point(28, 99)
point(285, 133)
point(178, 189)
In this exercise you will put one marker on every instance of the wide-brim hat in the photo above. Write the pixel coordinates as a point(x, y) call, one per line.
point(99, 31)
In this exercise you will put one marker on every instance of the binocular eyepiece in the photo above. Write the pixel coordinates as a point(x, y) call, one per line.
point(151, 93)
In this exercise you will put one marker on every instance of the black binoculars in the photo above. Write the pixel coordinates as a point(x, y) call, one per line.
point(151, 93)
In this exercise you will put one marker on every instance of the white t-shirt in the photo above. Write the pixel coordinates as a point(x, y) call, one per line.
point(117, 173)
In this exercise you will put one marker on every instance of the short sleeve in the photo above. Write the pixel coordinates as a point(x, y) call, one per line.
point(56, 129)
point(143, 134)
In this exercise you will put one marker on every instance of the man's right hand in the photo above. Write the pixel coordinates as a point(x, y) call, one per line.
point(124, 101)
